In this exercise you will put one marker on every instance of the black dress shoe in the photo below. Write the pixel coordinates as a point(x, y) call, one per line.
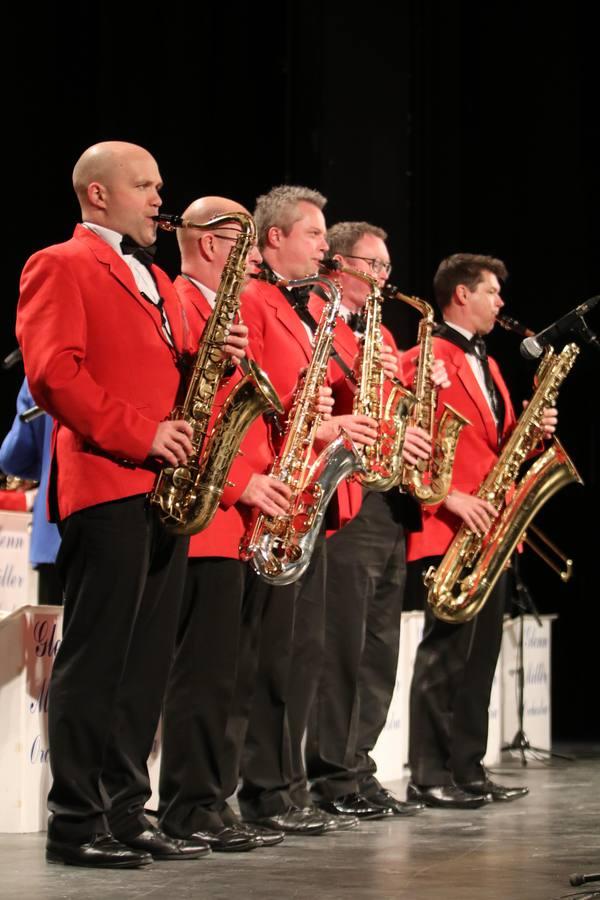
point(292, 821)
point(264, 837)
point(384, 798)
point(354, 805)
point(492, 791)
point(330, 822)
point(163, 846)
point(227, 839)
point(102, 851)
point(444, 796)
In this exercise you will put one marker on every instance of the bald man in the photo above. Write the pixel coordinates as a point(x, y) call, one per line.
point(103, 335)
point(203, 719)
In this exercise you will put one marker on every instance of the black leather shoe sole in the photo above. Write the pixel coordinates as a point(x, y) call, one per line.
point(264, 837)
point(499, 794)
point(162, 846)
point(74, 855)
point(363, 815)
point(229, 840)
point(442, 797)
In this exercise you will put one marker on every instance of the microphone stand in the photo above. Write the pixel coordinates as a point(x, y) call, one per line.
point(524, 602)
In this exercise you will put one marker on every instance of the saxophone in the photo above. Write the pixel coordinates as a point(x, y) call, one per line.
point(280, 547)
point(382, 462)
point(429, 480)
point(473, 563)
point(187, 496)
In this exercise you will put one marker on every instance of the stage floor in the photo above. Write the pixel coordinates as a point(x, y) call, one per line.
point(523, 850)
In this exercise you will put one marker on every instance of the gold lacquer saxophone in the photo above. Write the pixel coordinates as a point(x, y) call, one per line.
point(280, 547)
point(463, 581)
point(429, 480)
point(187, 496)
point(382, 462)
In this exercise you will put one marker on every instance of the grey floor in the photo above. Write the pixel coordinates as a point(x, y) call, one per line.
point(518, 851)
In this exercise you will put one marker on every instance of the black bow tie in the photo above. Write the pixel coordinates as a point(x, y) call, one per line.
point(300, 296)
point(357, 323)
point(145, 255)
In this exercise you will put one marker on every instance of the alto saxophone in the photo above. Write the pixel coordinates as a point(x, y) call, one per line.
point(187, 496)
point(382, 462)
point(429, 480)
point(463, 581)
point(280, 547)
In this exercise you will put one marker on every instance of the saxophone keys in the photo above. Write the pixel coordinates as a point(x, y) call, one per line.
point(181, 477)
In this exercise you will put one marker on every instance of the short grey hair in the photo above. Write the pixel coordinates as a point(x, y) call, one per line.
point(342, 238)
point(280, 208)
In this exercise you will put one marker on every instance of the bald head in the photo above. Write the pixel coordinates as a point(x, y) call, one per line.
point(103, 162)
point(200, 211)
point(203, 253)
point(117, 185)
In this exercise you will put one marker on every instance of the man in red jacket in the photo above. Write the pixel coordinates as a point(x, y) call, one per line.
point(455, 664)
point(102, 337)
point(366, 571)
point(291, 235)
point(203, 719)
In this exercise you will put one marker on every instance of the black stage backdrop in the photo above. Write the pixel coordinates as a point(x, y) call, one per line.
point(457, 127)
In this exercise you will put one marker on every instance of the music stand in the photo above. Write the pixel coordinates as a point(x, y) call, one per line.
point(524, 602)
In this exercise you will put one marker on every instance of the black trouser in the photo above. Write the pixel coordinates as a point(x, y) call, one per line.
point(450, 692)
point(366, 570)
point(205, 711)
point(49, 585)
point(289, 666)
point(123, 578)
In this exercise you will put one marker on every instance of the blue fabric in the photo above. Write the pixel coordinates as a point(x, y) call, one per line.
point(25, 452)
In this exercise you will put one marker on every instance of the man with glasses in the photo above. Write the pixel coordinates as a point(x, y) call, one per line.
point(366, 573)
point(202, 740)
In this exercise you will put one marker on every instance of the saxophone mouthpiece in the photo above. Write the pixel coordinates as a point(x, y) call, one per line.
point(511, 324)
point(168, 222)
point(331, 265)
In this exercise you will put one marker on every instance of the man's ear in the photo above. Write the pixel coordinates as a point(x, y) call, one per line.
point(96, 194)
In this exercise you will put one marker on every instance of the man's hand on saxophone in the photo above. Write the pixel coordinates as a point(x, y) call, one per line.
point(417, 445)
point(549, 420)
point(172, 442)
point(439, 375)
point(236, 342)
point(477, 514)
point(361, 429)
point(267, 494)
point(325, 403)
point(389, 361)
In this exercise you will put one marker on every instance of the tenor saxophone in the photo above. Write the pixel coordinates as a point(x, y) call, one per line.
point(382, 462)
point(463, 581)
point(280, 547)
point(429, 480)
point(187, 496)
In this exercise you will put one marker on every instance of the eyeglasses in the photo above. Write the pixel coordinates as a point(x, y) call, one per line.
point(377, 265)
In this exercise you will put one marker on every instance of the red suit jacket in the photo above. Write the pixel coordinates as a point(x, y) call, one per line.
point(280, 344)
point(477, 449)
point(349, 494)
point(98, 362)
point(223, 535)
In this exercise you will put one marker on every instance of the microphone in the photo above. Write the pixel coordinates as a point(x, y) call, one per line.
point(34, 412)
point(577, 879)
point(532, 347)
point(12, 359)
